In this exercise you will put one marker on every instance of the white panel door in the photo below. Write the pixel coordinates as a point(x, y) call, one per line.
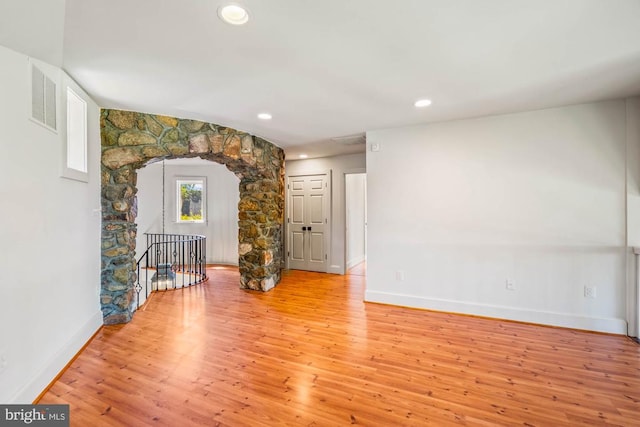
point(307, 221)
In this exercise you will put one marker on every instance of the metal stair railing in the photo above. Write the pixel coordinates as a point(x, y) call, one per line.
point(175, 260)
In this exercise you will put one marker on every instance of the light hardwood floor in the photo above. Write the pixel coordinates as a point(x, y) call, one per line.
point(310, 352)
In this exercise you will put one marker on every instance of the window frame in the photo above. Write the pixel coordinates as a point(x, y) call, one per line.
point(178, 197)
point(67, 171)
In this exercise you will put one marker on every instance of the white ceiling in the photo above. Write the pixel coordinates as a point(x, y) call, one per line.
point(34, 27)
point(333, 68)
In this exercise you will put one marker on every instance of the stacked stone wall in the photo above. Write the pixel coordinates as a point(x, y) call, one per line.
point(130, 140)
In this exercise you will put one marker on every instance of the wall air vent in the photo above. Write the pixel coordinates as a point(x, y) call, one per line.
point(43, 99)
point(359, 138)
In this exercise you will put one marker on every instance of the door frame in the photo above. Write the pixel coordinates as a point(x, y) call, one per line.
point(329, 213)
point(633, 293)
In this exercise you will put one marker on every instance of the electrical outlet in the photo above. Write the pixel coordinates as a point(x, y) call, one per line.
point(400, 275)
point(510, 285)
point(589, 291)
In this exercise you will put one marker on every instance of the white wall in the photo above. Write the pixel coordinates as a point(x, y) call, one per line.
point(537, 199)
point(223, 195)
point(337, 166)
point(49, 241)
point(633, 214)
point(355, 194)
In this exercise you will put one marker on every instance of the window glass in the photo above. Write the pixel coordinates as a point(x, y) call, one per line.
point(76, 132)
point(191, 200)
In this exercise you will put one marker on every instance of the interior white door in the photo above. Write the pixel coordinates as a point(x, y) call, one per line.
point(307, 221)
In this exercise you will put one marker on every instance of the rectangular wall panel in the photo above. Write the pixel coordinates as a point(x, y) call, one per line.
point(315, 209)
point(297, 209)
point(297, 246)
point(316, 253)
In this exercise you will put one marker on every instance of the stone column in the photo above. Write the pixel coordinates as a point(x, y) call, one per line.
point(119, 211)
point(261, 214)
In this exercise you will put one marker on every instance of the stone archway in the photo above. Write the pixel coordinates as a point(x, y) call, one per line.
point(130, 140)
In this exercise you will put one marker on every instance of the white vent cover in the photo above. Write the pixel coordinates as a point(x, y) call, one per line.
point(359, 138)
point(43, 98)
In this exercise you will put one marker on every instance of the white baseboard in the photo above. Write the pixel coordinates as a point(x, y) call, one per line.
point(566, 320)
point(57, 362)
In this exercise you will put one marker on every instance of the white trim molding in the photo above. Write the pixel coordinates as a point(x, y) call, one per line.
point(565, 320)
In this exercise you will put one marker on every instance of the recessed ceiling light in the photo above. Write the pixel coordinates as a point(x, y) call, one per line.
point(303, 156)
point(233, 14)
point(264, 116)
point(422, 103)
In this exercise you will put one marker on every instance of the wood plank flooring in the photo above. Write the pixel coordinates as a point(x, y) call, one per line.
point(311, 353)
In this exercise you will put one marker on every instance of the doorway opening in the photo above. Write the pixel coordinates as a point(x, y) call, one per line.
point(356, 223)
point(174, 215)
